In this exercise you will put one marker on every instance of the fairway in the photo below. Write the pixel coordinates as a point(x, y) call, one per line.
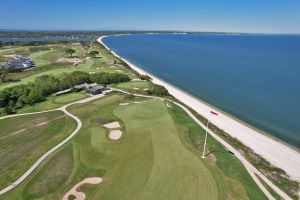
point(175, 172)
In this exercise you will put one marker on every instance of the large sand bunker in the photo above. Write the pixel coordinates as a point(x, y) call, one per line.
point(112, 125)
point(75, 61)
point(124, 104)
point(115, 134)
point(81, 195)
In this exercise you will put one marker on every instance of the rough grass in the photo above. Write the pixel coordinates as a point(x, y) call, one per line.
point(52, 175)
point(24, 139)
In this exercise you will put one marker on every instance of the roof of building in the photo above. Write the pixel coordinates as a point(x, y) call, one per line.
point(96, 88)
point(64, 91)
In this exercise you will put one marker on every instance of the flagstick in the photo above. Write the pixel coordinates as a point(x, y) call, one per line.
point(203, 154)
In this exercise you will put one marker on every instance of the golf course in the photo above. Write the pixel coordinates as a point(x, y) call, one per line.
point(157, 157)
point(128, 146)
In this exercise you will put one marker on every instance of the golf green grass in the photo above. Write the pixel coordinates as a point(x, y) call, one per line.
point(134, 84)
point(158, 157)
point(24, 139)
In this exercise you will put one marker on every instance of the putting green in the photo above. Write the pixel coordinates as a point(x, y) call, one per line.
point(134, 84)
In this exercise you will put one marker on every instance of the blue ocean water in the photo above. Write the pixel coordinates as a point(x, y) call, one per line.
point(255, 78)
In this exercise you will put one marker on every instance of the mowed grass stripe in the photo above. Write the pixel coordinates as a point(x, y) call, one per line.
point(176, 172)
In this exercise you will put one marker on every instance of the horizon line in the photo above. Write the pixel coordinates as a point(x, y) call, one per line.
point(137, 30)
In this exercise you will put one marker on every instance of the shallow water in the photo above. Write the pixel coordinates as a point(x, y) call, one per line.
point(255, 78)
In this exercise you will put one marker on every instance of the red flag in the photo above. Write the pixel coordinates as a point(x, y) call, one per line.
point(214, 113)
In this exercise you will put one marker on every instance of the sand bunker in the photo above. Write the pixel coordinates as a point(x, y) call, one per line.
point(137, 102)
point(136, 79)
point(112, 125)
point(11, 55)
point(75, 61)
point(81, 195)
point(136, 88)
point(168, 105)
point(123, 104)
point(115, 134)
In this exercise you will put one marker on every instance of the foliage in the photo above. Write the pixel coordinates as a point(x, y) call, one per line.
point(3, 74)
point(70, 51)
point(45, 85)
point(158, 90)
point(93, 53)
point(145, 77)
point(108, 78)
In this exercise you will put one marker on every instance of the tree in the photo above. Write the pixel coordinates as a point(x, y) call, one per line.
point(3, 74)
point(158, 90)
point(93, 53)
point(70, 51)
point(145, 77)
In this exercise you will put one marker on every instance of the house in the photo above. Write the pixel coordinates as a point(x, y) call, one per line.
point(95, 90)
point(18, 64)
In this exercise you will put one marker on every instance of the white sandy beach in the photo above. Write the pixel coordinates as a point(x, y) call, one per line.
point(275, 152)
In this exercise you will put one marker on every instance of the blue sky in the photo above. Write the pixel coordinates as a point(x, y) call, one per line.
point(265, 16)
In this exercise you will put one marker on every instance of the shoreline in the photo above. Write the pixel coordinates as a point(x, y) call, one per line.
point(277, 153)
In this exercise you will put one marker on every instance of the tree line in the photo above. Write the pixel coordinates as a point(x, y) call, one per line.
point(37, 91)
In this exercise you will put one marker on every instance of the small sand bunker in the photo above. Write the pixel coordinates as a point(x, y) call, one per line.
point(112, 125)
point(123, 104)
point(81, 195)
point(146, 89)
point(115, 134)
point(168, 105)
point(136, 79)
point(136, 88)
point(137, 102)
point(75, 61)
